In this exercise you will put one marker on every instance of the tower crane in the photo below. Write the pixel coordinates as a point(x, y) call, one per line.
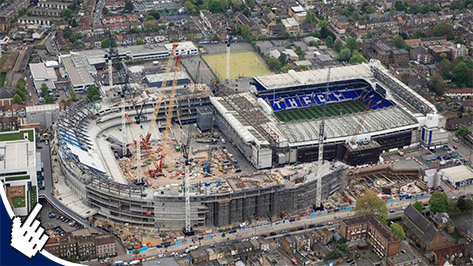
point(321, 143)
point(137, 142)
point(228, 42)
point(162, 149)
point(357, 131)
point(161, 91)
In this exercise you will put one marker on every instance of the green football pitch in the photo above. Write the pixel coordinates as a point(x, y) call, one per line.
point(316, 111)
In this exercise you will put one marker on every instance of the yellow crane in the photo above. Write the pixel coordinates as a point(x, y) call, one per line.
point(161, 92)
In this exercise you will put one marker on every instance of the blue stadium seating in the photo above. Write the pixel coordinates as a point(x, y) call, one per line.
point(280, 102)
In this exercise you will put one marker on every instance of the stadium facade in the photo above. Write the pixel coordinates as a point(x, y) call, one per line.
point(279, 122)
point(221, 202)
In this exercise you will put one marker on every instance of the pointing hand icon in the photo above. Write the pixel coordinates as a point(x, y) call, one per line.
point(28, 238)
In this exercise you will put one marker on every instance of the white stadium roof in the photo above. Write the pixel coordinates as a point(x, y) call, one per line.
point(293, 78)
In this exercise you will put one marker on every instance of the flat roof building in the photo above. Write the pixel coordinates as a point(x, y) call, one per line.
point(458, 176)
point(18, 169)
point(41, 74)
point(78, 71)
point(45, 115)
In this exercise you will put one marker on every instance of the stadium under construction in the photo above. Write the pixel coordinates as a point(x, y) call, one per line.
point(118, 166)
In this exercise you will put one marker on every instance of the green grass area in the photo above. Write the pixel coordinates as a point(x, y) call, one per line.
point(394, 219)
point(17, 135)
point(18, 202)
point(14, 178)
point(455, 236)
point(317, 111)
point(242, 64)
point(32, 197)
point(3, 76)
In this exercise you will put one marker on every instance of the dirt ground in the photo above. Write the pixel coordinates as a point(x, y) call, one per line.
point(7, 60)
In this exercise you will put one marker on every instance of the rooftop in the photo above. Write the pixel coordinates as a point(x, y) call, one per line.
point(40, 71)
point(375, 222)
point(79, 76)
point(458, 173)
point(42, 107)
point(17, 150)
point(293, 78)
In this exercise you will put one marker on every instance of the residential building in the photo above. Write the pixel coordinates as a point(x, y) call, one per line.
point(291, 25)
point(35, 21)
point(86, 247)
point(423, 232)
point(18, 169)
point(53, 246)
point(45, 115)
point(405, 259)
point(53, 4)
point(6, 96)
point(199, 255)
point(373, 231)
point(10, 116)
point(455, 253)
point(420, 54)
point(298, 13)
point(244, 20)
point(7, 13)
point(451, 50)
point(276, 30)
point(459, 93)
point(105, 246)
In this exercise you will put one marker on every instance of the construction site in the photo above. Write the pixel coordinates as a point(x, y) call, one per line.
point(162, 151)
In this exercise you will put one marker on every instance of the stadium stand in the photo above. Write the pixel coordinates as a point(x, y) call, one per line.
point(338, 94)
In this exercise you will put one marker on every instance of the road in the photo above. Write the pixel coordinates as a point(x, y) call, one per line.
point(328, 220)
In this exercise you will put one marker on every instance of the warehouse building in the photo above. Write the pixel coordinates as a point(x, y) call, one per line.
point(41, 74)
point(457, 176)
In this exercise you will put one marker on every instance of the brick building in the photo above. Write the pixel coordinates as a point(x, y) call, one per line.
point(423, 232)
point(374, 232)
point(105, 246)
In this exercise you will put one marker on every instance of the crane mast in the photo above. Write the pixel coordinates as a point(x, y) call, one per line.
point(321, 143)
point(161, 91)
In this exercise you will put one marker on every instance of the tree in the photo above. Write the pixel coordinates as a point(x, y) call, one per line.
point(274, 64)
point(399, 42)
point(311, 18)
point(463, 131)
point(151, 27)
point(282, 59)
point(438, 202)
point(140, 42)
point(190, 7)
point(106, 43)
point(343, 247)
point(325, 32)
point(383, 218)
point(72, 96)
point(251, 4)
point(345, 55)
point(437, 84)
point(155, 13)
point(136, 252)
point(93, 93)
point(337, 46)
point(465, 205)
point(444, 29)
point(323, 23)
point(398, 230)
point(215, 6)
point(370, 203)
point(460, 74)
point(20, 93)
point(129, 7)
point(445, 68)
point(351, 44)
point(418, 205)
point(399, 5)
point(329, 41)
point(191, 37)
point(67, 13)
point(244, 31)
point(17, 99)
point(357, 58)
